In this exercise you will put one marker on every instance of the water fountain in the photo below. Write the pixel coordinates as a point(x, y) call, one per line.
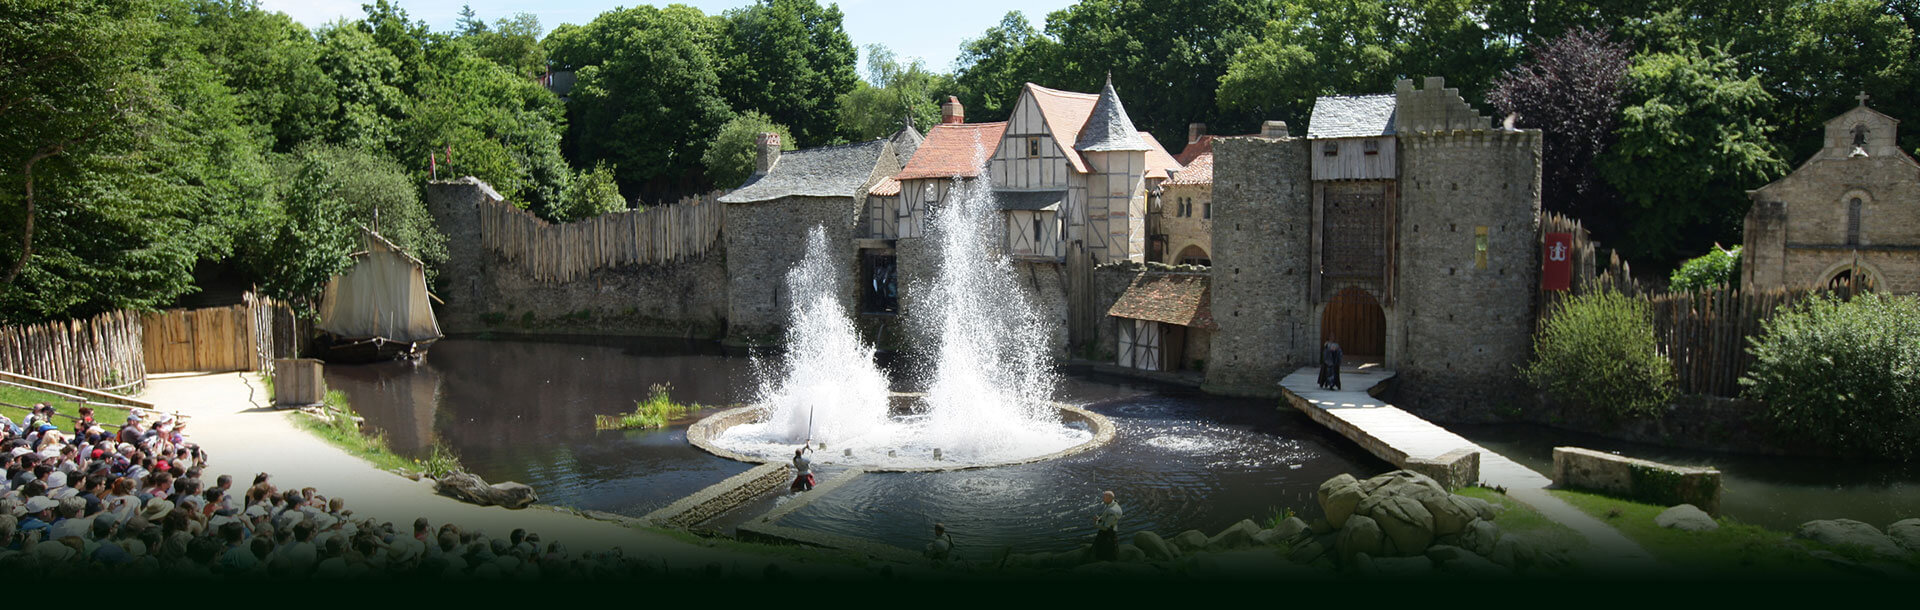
point(989, 392)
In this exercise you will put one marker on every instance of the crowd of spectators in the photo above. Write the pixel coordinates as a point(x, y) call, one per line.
point(132, 501)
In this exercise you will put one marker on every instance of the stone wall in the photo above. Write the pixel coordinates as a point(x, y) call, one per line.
point(1637, 479)
point(1465, 326)
point(482, 291)
point(763, 241)
point(1184, 231)
point(1262, 215)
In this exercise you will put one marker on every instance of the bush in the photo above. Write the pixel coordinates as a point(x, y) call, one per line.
point(657, 411)
point(1715, 268)
point(1845, 374)
point(1598, 352)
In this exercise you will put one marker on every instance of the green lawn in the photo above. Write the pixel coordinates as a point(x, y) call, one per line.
point(342, 432)
point(1736, 549)
point(27, 398)
point(1523, 520)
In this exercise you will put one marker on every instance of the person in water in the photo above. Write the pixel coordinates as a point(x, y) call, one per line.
point(802, 469)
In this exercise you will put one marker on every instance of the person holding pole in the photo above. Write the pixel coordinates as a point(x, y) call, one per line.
point(802, 469)
point(1106, 542)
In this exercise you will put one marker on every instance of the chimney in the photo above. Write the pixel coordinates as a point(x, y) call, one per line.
point(767, 152)
point(1194, 131)
point(952, 111)
point(1273, 129)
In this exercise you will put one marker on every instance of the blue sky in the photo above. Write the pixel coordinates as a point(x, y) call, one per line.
point(927, 29)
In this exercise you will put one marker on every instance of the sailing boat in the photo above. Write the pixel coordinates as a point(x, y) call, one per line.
point(377, 309)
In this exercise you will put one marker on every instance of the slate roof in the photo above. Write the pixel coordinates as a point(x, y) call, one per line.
point(1173, 298)
point(907, 141)
point(1065, 112)
point(1351, 116)
point(1029, 200)
point(1107, 126)
point(829, 171)
point(1159, 164)
point(954, 149)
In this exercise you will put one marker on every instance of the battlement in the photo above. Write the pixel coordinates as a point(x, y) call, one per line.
point(1434, 108)
point(1471, 138)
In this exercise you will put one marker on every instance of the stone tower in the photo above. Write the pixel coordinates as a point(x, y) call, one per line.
point(1262, 245)
point(1116, 181)
point(1467, 257)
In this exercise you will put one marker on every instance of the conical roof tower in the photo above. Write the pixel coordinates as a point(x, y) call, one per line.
point(1108, 127)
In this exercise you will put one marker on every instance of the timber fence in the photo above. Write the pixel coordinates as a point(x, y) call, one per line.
point(102, 352)
point(115, 351)
point(557, 253)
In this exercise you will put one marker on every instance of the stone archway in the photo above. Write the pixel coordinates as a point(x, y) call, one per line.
point(1354, 318)
point(1193, 255)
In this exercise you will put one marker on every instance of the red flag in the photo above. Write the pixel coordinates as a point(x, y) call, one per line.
point(1556, 270)
point(433, 166)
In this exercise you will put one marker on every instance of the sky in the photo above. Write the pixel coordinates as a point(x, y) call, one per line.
point(928, 29)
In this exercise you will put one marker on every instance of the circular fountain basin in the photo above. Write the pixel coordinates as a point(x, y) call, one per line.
point(706, 434)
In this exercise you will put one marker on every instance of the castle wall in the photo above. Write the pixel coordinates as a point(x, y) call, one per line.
point(766, 239)
point(1465, 327)
point(1262, 218)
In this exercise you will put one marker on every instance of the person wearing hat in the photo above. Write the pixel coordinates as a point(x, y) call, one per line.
point(39, 517)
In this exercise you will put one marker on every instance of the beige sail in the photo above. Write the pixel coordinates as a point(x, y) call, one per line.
point(383, 295)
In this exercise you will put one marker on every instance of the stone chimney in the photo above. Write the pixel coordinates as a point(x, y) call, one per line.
point(952, 111)
point(1194, 131)
point(767, 152)
point(1273, 129)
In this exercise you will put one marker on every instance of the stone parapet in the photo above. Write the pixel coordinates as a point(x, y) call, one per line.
point(1637, 479)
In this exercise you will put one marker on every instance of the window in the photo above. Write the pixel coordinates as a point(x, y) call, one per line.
point(1329, 149)
point(1206, 209)
point(1853, 222)
point(1033, 147)
point(1372, 147)
point(1036, 230)
point(1480, 247)
point(932, 192)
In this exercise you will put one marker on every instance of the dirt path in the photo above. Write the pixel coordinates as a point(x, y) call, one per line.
point(243, 437)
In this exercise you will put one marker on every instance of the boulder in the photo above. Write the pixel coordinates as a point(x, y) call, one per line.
point(1339, 503)
point(1480, 537)
point(1514, 552)
point(468, 487)
point(1238, 535)
point(1847, 532)
point(1294, 527)
point(1459, 561)
point(1403, 483)
point(1361, 535)
point(1481, 508)
point(1403, 519)
point(1442, 553)
point(1154, 547)
point(1906, 533)
point(1686, 517)
point(1450, 513)
point(1320, 526)
point(1190, 541)
point(1130, 552)
point(1306, 552)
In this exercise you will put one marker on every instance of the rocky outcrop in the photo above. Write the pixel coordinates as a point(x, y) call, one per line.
point(1850, 533)
point(1906, 533)
point(1686, 517)
point(468, 487)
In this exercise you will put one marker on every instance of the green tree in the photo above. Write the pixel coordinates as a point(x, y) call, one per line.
point(329, 192)
point(990, 70)
point(592, 192)
point(790, 60)
point(731, 154)
point(1693, 137)
point(892, 90)
point(1718, 267)
point(1842, 374)
point(513, 43)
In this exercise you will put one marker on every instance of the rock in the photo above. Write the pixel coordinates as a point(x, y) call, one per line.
point(1481, 508)
point(1190, 541)
point(1293, 527)
point(1847, 565)
point(1320, 526)
point(1469, 564)
point(1403, 483)
point(1847, 532)
point(1402, 567)
point(1513, 552)
point(1686, 517)
point(1906, 533)
point(1450, 513)
point(1327, 487)
point(1361, 563)
point(1361, 535)
point(1340, 503)
point(1154, 547)
point(468, 487)
point(1306, 552)
point(1268, 537)
point(1480, 537)
point(1130, 552)
point(1444, 553)
point(1403, 519)
point(1239, 535)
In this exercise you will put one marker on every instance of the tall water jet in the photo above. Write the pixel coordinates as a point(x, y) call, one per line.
point(991, 383)
point(827, 388)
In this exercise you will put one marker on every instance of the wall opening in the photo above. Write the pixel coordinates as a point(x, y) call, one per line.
point(1354, 319)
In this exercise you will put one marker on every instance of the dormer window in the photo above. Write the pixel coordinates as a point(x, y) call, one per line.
point(1329, 149)
point(1372, 147)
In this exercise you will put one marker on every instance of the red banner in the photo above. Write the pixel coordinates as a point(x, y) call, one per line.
point(1556, 271)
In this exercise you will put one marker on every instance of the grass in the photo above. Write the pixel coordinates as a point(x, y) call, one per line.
point(112, 416)
point(1523, 520)
point(340, 430)
point(1735, 549)
point(657, 411)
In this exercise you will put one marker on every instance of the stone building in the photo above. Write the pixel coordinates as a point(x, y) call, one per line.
point(1846, 214)
point(1407, 217)
point(1180, 222)
point(767, 220)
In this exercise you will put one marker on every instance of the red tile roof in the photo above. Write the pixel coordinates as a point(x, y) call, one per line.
point(1194, 149)
point(1173, 298)
point(1065, 112)
point(953, 149)
point(886, 187)
point(1159, 163)
point(1199, 170)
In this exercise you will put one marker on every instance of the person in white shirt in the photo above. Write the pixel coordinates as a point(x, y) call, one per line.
point(1106, 542)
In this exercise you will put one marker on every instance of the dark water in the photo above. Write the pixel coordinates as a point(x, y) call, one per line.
point(1775, 492)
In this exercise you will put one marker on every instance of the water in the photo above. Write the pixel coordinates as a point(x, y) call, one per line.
point(991, 383)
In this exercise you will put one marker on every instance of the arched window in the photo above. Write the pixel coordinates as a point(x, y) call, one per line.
point(1853, 221)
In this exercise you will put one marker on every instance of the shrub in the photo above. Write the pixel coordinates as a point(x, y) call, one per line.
point(1598, 352)
point(657, 411)
point(1845, 374)
point(1715, 268)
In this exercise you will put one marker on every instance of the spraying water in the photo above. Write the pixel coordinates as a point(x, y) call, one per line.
point(989, 392)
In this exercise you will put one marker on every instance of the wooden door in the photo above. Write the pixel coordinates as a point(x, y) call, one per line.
point(1123, 354)
point(1146, 348)
point(1354, 319)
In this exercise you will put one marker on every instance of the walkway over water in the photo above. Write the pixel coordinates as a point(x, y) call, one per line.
point(1397, 436)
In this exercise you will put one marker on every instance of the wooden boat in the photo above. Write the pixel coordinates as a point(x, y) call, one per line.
point(377, 309)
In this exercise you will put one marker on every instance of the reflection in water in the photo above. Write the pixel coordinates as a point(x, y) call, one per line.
point(1775, 492)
